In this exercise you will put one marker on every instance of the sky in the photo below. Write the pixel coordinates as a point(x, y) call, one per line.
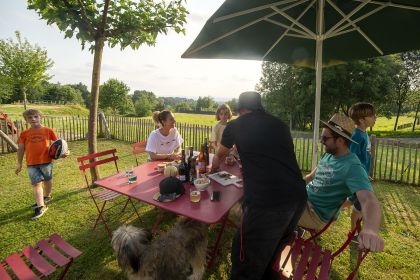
point(159, 69)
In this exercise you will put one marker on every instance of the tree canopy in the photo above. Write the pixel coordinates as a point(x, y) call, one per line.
point(23, 66)
point(124, 23)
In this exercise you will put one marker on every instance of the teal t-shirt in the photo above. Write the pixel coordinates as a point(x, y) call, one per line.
point(362, 149)
point(336, 178)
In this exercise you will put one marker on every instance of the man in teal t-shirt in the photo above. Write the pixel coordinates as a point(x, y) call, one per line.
point(338, 175)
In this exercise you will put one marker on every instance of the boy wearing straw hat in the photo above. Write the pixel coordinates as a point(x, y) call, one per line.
point(340, 174)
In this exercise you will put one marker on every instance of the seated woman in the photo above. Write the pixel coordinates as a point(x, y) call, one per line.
point(165, 142)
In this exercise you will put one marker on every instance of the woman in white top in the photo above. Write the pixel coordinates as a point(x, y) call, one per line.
point(165, 142)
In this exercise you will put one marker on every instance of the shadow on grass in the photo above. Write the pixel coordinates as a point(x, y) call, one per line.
point(24, 214)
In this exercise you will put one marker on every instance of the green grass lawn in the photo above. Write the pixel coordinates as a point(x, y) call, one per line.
point(72, 215)
point(47, 110)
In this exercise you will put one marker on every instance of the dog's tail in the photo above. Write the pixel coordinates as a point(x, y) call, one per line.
point(129, 243)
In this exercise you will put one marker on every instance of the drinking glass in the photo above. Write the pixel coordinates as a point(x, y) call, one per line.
point(195, 196)
point(132, 179)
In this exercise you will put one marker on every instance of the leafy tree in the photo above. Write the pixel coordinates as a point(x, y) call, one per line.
point(411, 62)
point(85, 93)
point(6, 90)
point(114, 97)
point(125, 23)
point(143, 106)
point(288, 91)
point(183, 107)
point(23, 65)
point(205, 103)
point(232, 104)
point(64, 94)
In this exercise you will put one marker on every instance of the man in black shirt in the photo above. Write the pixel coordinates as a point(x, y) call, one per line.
point(274, 191)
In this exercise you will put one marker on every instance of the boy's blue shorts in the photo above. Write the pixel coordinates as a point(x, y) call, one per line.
point(40, 172)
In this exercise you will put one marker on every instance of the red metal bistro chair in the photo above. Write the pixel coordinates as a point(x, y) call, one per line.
point(100, 198)
point(305, 257)
point(139, 147)
point(41, 261)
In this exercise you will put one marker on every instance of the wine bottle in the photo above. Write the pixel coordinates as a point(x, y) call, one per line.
point(201, 161)
point(182, 169)
point(206, 152)
point(189, 163)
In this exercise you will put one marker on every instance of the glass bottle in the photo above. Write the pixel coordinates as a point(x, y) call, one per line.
point(206, 152)
point(182, 169)
point(189, 163)
point(201, 161)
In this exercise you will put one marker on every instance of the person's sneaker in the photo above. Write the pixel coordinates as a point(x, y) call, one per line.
point(39, 211)
point(47, 200)
point(354, 239)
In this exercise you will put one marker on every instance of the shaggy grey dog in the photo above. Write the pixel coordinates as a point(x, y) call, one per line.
point(177, 254)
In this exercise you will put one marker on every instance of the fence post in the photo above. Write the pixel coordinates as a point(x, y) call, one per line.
point(103, 124)
point(372, 155)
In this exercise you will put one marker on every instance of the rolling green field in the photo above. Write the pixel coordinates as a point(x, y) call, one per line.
point(47, 110)
point(72, 215)
point(383, 127)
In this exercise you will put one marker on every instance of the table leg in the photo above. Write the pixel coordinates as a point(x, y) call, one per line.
point(216, 246)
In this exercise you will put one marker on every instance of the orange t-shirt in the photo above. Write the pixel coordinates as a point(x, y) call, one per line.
point(37, 142)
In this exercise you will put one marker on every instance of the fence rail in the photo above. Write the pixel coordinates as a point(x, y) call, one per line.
point(392, 160)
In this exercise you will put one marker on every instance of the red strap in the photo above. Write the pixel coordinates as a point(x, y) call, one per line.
point(38, 261)
point(3, 273)
point(53, 254)
point(64, 246)
point(19, 268)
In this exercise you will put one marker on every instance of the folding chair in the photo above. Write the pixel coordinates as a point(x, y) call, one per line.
point(41, 261)
point(307, 258)
point(102, 196)
point(139, 147)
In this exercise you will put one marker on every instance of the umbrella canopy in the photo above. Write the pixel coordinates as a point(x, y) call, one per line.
point(311, 33)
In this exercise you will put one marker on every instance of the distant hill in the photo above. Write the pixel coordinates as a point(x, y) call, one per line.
point(48, 110)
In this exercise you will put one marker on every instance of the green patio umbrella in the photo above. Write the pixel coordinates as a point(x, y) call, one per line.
point(311, 33)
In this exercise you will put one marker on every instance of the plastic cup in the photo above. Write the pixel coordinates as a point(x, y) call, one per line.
point(195, 196)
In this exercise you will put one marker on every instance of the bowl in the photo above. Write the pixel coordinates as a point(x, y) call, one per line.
point(202, 183)
point(161, 166)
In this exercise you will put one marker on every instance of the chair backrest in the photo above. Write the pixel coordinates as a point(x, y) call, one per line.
point(96, 159)
point(139, 147)
point(305, 258)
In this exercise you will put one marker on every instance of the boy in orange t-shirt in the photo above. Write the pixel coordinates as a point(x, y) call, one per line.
point(34, 143)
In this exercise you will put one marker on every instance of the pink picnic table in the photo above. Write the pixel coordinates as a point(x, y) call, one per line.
point(206, 211)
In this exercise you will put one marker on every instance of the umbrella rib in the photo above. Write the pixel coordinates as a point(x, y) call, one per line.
point(345, 17)
point(230, 33)
point(290, 27)
point(256, 9)
point(339, 31)
point(295, 21)
point(394, 5)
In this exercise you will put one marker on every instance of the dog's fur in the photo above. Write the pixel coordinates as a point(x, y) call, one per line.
point(177, 254)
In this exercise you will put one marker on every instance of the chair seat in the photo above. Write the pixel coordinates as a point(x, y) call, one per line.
point(106, 195)
point(303, 258)
point(45, 258)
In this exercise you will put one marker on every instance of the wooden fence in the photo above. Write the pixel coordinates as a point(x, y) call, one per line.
point(392, 160)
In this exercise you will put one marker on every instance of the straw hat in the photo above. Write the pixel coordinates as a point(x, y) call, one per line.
point(342, 125)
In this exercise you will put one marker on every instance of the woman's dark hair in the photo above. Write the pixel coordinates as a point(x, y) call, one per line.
point(163, 115)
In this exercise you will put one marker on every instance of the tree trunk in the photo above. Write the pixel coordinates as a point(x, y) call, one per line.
point(416, 116)
point(24, 98)
point(93, 112)
point(398, 115)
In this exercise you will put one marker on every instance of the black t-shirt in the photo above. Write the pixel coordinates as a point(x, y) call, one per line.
point(270, 171)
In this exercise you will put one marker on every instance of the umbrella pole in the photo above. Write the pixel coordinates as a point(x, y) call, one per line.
point(318, 75)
